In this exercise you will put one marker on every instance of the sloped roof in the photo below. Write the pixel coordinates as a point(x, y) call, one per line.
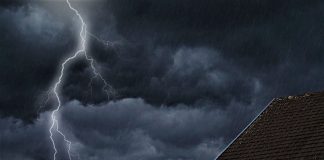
point(289, 128)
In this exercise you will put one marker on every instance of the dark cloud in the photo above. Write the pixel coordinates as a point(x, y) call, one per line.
point(198, 22)
point(125, 129)
point(31, 46)
point(12, 3)
point(20, 141)
point(131, 129)
point(182, 75)
point(247, 42)
point(143, 61)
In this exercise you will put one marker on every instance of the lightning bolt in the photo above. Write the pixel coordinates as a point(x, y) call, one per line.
point(81, 51)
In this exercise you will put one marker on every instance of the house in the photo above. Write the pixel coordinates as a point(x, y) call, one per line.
point(288, 128)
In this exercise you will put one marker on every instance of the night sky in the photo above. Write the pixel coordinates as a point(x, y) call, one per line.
point(187, 75)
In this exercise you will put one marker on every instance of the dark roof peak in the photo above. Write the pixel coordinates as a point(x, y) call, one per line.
point(289, 127)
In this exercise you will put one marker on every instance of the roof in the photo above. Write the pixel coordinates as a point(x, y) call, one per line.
point(288, 128)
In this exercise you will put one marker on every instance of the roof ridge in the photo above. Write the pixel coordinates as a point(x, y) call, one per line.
point(306, 94)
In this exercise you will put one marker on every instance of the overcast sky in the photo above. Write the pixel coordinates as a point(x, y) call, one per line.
point(187, 75)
